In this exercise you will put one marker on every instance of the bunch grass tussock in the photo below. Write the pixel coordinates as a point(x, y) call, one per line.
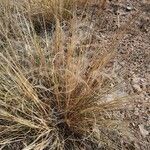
point(52, 90)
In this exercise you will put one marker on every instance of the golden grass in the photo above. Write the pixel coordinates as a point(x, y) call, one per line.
point(51, 92)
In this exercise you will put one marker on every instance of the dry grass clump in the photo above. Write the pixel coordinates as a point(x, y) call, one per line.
point(43, 12)
point(52, 90)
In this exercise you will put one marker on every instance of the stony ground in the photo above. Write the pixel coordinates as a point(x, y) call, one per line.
point(133, 60)
point(131, 66)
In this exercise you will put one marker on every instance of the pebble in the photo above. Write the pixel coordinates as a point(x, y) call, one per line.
point(137, 88)
point(128, 8)
point(143, 131)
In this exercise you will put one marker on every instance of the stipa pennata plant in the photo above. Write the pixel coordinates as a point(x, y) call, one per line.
point(43, 13)
point(52, 89)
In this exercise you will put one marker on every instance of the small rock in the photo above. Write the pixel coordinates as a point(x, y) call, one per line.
point(136, 79)
point(136, 112)
point(137, 88)
point(143, 131)
point(128, 8)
